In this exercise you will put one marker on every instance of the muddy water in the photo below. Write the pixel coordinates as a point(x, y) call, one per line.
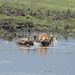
point(58, 59)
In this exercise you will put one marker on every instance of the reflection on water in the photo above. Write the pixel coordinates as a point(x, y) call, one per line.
point(42, 50)
point(57, 59)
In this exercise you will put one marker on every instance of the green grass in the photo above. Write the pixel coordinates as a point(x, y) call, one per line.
point(40, 4)
point(53, 15)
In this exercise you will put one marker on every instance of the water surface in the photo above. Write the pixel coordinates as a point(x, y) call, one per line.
point(53, 60)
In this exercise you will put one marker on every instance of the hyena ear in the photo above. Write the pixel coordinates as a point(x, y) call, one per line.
point(50, 41)
point(35, 37)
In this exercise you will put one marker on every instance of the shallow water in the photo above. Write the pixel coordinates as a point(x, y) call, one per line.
point(53, 60)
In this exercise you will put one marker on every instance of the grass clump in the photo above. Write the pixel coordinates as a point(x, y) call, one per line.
point(42, 15)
